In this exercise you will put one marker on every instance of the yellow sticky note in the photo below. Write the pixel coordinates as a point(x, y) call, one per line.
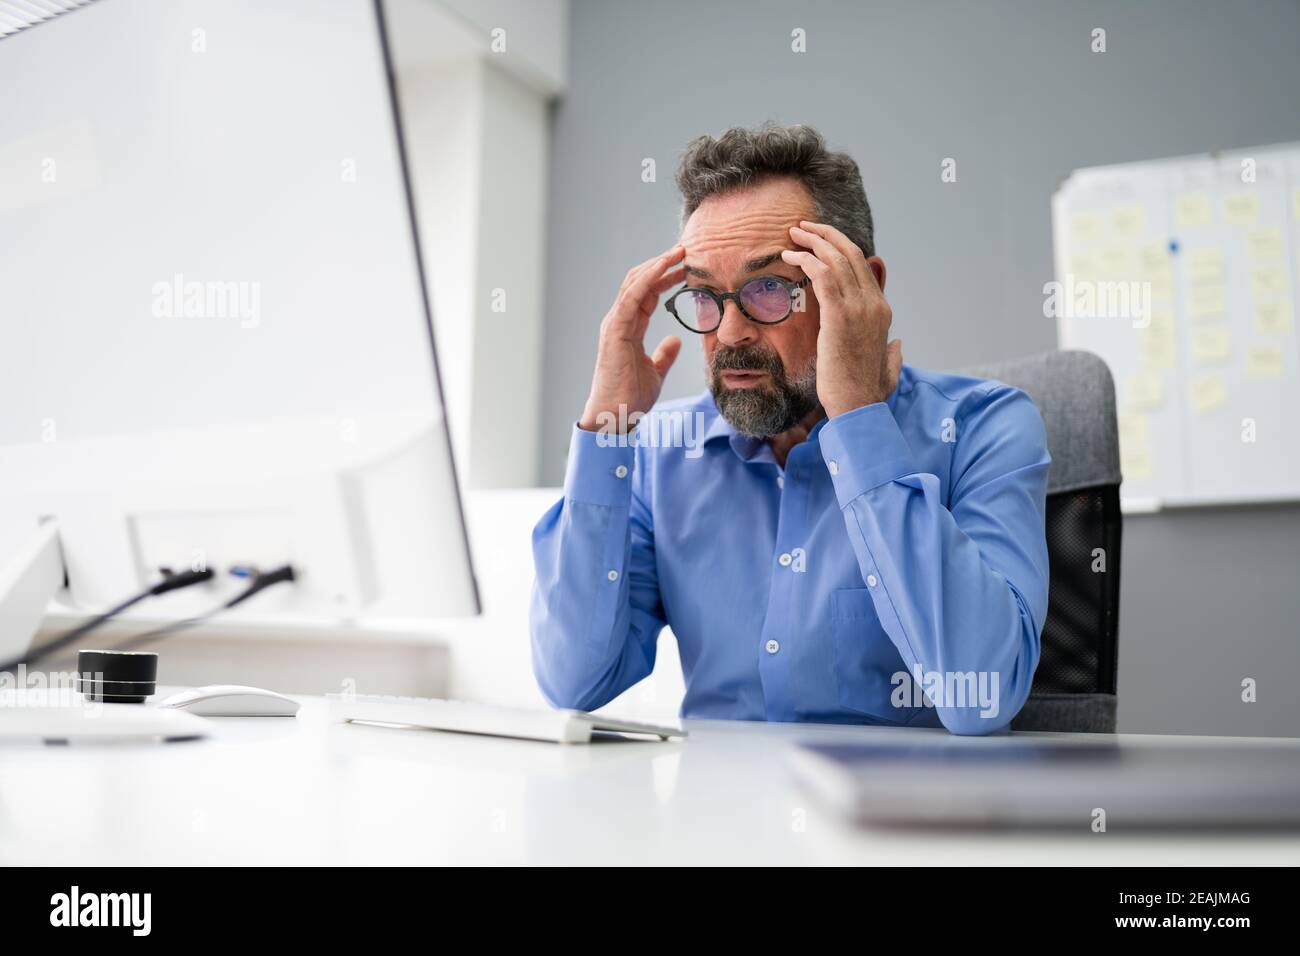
point(1144, 391)
point(1135, 462)
point(1204, 301)
point(1211, 346)
point(1084, 266)
point(1241, 209)
point(1264, 362)
point(1295, 204)
point(1162, 287)
point(1134, 429)
point(1192, 210)
point(1129, 221)
point(1267, 282)
point(1085, 227)
point(1159, 347)
point(1205, 264)
point(1207, 393)
point(1273, 317)
point(1116, 262)
point(1135, 445)
point(1154, 258)
point(1264, 244)
point(1162, 319)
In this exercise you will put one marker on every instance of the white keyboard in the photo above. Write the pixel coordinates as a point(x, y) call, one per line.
point(558, 726)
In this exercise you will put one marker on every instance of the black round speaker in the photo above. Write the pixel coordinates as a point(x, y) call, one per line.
point(117, 677)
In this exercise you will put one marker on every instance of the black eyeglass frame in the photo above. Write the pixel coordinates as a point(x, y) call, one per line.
point(721, 299)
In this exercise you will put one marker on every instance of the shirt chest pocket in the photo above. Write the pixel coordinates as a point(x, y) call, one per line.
point(866, 661)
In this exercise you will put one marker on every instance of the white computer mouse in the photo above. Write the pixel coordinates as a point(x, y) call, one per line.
point(232, 700)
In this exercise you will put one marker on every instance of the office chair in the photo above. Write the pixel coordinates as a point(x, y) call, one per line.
point(1074, 687)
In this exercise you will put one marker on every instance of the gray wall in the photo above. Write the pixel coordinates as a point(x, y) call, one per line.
point(1012, 91)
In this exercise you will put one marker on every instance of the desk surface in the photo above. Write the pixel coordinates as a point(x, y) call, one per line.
point(308, 791)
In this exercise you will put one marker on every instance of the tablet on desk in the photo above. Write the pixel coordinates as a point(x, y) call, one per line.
point(1028, 782)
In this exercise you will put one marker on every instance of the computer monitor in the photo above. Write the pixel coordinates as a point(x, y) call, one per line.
point(217, 344)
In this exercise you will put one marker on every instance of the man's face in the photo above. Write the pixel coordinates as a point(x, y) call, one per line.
point(763, 377)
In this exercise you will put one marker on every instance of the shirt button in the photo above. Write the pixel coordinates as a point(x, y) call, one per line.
point(613, 575)
point(872, 581)
point(785, 560)
point(835, 469)
point(620, 471)
point(780, 481)
point(772, 647)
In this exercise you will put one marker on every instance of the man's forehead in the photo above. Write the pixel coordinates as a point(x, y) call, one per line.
point(773, 206)
point(743, 226)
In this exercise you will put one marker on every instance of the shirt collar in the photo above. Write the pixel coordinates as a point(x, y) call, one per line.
point(719, 429)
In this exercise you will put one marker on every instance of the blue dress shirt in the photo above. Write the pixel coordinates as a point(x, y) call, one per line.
point(894, 572)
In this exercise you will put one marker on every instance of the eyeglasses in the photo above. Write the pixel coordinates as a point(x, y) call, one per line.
point(767, 300)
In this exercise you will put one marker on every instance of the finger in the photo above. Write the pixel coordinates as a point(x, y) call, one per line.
point(847, 247)
point(809, 263)
point(829, 249)
point(626, 315)
point(645, 280)
point(670, 279)
point(666, 354)
point(823, 277)
point(631, 275)
point(660, 264)
point(636, 271)
point(650, 301)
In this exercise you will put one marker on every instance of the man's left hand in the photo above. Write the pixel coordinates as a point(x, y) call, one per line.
point(857, 365)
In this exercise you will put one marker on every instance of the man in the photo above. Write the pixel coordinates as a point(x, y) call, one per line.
point(856, 540)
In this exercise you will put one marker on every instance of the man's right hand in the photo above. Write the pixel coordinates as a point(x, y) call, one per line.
point(626, 377)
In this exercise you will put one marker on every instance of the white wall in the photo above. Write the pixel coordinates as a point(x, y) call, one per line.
point(535, 33)
point(442, 106)
point(509, 292)
point(477, 125)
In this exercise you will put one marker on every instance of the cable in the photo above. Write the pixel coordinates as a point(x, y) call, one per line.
point(261, 580)
point(172, 581)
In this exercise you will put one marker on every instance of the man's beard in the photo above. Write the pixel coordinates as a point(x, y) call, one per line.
point(769, 408)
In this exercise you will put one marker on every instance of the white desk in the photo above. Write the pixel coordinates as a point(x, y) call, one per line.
point(305, 791)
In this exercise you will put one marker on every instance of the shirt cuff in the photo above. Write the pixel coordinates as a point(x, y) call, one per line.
point(600, 469)
point(864, 449)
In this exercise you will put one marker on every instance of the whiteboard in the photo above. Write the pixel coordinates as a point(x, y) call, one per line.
point(1182, 274)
